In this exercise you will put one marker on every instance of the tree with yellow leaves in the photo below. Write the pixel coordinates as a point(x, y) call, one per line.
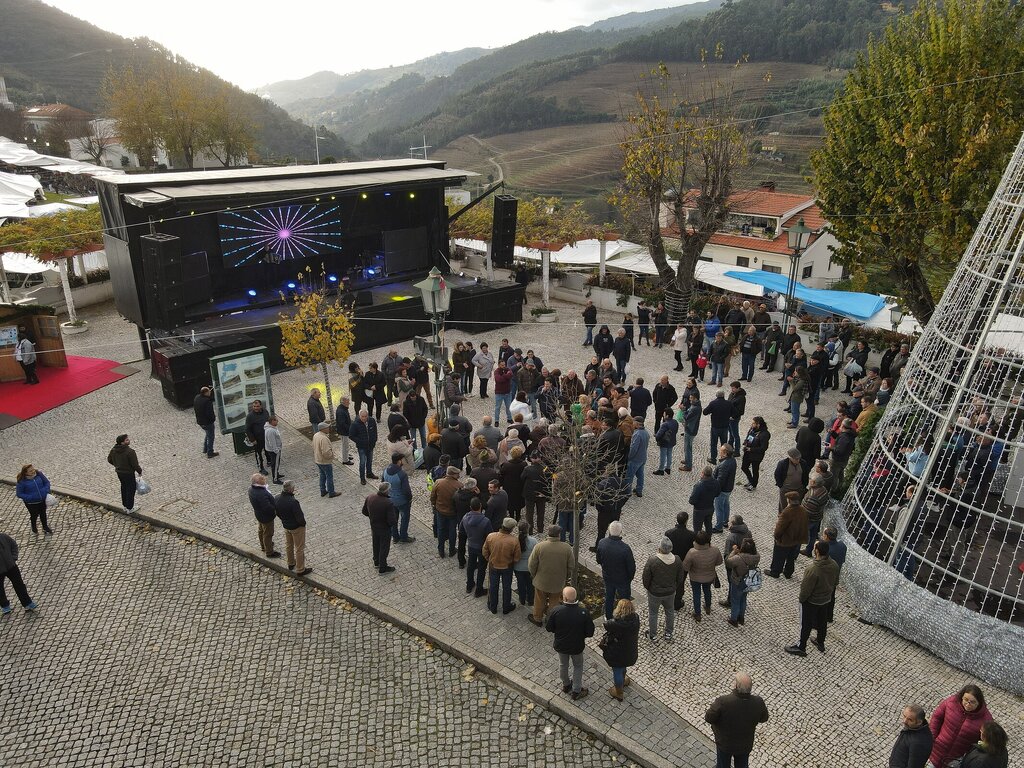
point(318, 331)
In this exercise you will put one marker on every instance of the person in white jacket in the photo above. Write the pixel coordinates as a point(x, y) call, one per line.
point(483, 361)
point(272, 437)
point(679, 345)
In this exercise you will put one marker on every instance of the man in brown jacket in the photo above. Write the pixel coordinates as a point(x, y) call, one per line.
point(551, 568)
point(442, 497)
point(816, 588)
point(790, 533)
point(502, 551)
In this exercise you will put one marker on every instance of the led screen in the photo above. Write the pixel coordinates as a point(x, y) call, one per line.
point(282, 234)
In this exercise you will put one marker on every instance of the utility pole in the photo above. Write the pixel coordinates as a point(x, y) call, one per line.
point(422, 148)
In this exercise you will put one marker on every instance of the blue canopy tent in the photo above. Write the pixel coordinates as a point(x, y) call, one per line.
point(859, 306)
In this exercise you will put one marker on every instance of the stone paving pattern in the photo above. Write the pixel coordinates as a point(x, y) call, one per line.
point(150, 648)
point(850, 698)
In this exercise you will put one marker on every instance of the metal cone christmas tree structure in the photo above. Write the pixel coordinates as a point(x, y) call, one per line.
point(934, 517)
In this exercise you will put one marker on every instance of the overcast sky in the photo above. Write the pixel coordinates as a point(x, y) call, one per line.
point(254, 42)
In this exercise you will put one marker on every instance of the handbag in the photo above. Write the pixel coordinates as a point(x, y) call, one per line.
point(702, 361)
point(142, 486)
point(852, 369)
point(51, 500)
point(605, 641)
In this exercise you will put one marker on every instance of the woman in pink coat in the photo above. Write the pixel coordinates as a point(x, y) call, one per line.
point(956, 725)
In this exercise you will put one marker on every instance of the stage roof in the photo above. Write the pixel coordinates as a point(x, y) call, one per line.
point(157, 194)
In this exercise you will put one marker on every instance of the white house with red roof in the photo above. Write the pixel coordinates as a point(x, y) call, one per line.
point(755, 235)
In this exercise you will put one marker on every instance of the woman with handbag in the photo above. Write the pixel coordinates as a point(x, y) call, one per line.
point(755, 445)
point(619, 645)
point(33, 489)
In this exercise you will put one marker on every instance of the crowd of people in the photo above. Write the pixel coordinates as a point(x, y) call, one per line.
point(491, 487)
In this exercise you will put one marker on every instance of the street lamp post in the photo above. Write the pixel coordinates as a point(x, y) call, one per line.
point(437, 296)
point(797, 237)
point(896, 317)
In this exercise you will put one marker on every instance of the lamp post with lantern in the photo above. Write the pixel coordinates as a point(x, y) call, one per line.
point(797, 238)
point(896, 317)
point(437, 296)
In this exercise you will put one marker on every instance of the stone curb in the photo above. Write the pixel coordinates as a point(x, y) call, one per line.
point(551, 700)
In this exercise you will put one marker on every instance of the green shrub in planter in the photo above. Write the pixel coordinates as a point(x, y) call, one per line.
point(542, 311)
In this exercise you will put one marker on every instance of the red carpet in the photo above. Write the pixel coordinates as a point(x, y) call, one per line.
point(20, 401)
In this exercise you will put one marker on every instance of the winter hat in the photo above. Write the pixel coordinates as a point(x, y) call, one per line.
point(452, 472)
point(323, 425)
point(508, 524)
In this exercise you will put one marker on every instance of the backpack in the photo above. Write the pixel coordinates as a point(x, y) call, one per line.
point(752, 581)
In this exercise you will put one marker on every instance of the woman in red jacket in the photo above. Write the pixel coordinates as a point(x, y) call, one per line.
point(956, 725)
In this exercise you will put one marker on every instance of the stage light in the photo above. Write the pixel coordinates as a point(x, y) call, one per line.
point(371, 272)
point(252, 292)
point(191, 213)
point(291, 286)
point(387, 194)
point(317, 199)
point(332, 197)
point(364, 195)
point(284, 234)
point(462, 274)
point(332, 278)
point(412, 195)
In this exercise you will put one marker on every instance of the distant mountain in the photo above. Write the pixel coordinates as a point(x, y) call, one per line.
point(659, 17)
point(326, 83)
point(47, 56)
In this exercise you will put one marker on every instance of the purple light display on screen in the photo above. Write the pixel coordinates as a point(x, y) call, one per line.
point(289, 232)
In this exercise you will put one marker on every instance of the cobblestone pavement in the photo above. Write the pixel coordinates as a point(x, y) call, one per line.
point(153, 649)
point(849, 699)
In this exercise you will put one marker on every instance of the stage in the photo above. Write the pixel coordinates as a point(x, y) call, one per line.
point(384, 314)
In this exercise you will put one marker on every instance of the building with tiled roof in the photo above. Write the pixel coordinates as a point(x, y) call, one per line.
point(42, 115)
point(755, 236)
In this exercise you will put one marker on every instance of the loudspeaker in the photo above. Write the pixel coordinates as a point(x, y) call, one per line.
point(196, 286)
point(364, 299)
point(164, 281)
point(503, 230)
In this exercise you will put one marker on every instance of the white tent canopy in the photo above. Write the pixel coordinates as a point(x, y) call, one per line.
point(16, 188)
point(24, 264)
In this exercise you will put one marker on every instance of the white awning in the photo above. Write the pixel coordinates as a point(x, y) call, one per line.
point(24, 264)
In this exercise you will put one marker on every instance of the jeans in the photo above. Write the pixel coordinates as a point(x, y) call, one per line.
point(653, 603)
point(813, 527)
point(721, 510)
point(717, 373)
point(665, 457)
point(466, 381)
point(535, 510)
point(794, 418)
point(483, 387)
point(620, 369)
point(644, 335)
point(128, 488)
point(590, 336)
point(326, 478)
point(702, 519)
point(633, 469)
point(531, 399)
point(365, 459)
point(524, 586)
point(37, 512)
point(208, 432)
point(476, 567)
point(747, 361)
point(499, 401)
point(421, 431)
point(737, 601)
point(734, 435)
point(619, 676)
point(502, 576)
point(728, 760)
point(577, 670)
point(446, 533)
point(687, 449)
point(565, 523)
point(719, 435)
point(614, 591)
point(751, 469)
point(697, 588)
point(401, 530)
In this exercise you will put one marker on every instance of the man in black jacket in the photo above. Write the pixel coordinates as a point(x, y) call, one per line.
point(383, 518)
point(589, 321)
point(294, 522)
point(914, 744)
point(254, 423)
point(453, 444)
point(702, 497)
point(664, 397)
point(571, 624)
point(682, 542)
point(315, 409)
point(738, 401)
point(734, 718)
point(203, 407)
point(720, 411)
point(265, 509)
point(342, 425)
point(415, 411)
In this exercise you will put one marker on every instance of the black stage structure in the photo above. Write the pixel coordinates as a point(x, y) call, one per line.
point(200, 261)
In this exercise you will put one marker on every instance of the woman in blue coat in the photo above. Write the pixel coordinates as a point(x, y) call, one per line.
point(32, 489)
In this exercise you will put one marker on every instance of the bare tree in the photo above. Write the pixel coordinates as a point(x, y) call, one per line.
point(96, 143)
